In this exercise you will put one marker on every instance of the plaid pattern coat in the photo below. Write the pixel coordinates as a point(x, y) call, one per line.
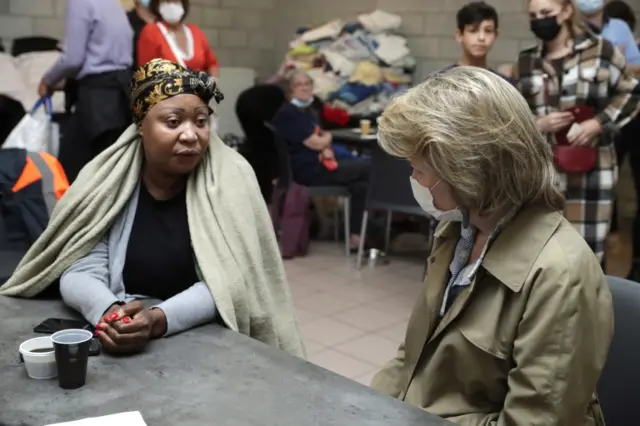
point(595, 75)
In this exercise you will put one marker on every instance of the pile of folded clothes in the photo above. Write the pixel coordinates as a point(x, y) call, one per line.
point(356, 66)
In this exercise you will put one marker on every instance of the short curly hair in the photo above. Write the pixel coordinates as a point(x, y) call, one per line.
point(154, 7)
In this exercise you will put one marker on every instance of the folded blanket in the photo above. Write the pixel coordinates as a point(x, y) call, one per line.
point(231, 234)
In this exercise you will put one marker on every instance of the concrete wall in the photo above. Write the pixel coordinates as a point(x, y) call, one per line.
point(240, 31)
point(429, 25)
point(255, 33)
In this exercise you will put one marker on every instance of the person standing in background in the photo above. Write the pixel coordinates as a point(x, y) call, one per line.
point(476, 32)
point(138, 17)
point(626, 143)
point(171, 39)
point(621, 10)
point(98, 54)
point(573, 69)
point(615, 31)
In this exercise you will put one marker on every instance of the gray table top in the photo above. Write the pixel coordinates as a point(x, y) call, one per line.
point(209, 375)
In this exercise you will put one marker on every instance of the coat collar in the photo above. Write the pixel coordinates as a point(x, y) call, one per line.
point(514, 251)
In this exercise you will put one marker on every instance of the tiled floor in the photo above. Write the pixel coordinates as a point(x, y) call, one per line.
point(352, 321)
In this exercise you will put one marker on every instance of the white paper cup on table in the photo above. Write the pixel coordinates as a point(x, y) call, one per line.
point(365, 127)
point(39, 358)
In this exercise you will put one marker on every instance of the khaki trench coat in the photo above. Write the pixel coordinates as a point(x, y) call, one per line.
point(524, 344)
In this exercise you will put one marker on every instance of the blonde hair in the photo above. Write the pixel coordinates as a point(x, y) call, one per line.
point(476, 132)
point(576, 23)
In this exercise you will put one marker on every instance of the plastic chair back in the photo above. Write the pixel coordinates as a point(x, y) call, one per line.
point(619, 385)
point(389, 187)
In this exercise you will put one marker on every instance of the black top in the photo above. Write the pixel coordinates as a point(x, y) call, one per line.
point(296, 125)
point(160, 261)
point(137, 24)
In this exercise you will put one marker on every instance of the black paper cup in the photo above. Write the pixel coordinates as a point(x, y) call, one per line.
point(72, 355)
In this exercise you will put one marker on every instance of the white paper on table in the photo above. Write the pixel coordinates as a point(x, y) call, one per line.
point(133, 418)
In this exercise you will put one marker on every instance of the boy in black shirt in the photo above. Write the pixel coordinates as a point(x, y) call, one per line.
point(477, 31)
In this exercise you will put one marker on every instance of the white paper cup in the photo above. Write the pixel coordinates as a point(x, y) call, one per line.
point(39, 365)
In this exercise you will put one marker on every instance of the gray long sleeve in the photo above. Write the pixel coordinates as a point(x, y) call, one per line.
point(87, 287)
point(193, 307)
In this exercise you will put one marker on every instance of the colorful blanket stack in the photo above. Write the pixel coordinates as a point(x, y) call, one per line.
point(356, 66)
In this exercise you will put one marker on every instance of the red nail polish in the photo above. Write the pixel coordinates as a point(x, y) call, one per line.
point(113, 316)
point(99, 326)
point(126, 320)
point(106, 318)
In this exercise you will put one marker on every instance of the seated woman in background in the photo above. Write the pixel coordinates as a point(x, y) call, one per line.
point(516, 318)
point(312, 157)
point(168, 212)
point(171, 39)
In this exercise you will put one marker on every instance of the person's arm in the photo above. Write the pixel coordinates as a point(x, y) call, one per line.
point(559, 351)
point(85, 285)
point(148, 46)
point(629, 48)
point(78, 23)
point(624, 94)
point(318, 141)
point(298, 128)
point(558, 354)
point(389, 378)
point(193, 307)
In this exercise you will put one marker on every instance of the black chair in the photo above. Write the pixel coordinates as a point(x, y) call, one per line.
point(389, 190)
point(34, 44)
point(619, 385)
point(11, 113)
point(286, 178)
point(254, 107)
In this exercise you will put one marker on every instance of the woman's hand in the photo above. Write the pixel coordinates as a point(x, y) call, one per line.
point(554, 122)
point(588, 130)
point(43, 90)
point(129, 328)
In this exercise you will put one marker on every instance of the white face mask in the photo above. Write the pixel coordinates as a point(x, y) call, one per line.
point(589, 7)
point(171, 13)
point(424, 198)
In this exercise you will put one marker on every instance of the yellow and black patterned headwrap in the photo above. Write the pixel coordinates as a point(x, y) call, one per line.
point(160, 79)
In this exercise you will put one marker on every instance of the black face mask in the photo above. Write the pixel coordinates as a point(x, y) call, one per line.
point(546, 29)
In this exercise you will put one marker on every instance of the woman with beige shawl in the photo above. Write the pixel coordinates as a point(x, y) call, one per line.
point(169, 213)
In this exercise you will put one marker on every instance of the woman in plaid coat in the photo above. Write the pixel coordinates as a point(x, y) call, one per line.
point(573, 67)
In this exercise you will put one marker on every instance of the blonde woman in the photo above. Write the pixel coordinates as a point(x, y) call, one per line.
point(515, 321)
point(579, 87)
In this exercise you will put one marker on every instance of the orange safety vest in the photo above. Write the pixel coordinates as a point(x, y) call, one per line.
point(44, 166)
